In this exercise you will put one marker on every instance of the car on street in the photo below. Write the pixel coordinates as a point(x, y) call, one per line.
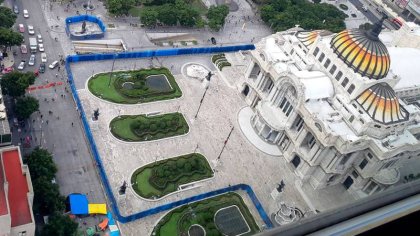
point(23, 49)
point(21, 28)
point(43, 57)
point(53, 65)
point(16, 9)
point(213, 40)
point(42, 68)
point(39, 37)
point(41, 47)
point(31, 30)
point(21, 65)
point(32, 60)
point(25, 13)
point(364, 7)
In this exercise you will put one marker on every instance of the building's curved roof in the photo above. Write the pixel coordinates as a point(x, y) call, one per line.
point(307, 37)
point(381, 103)
point(363, 51)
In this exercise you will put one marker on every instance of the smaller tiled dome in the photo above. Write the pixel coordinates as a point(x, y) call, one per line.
point(307, 37)
point(363, 51)
point(381, 103)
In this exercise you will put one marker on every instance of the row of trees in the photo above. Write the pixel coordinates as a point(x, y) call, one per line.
point(8, 37)
point(285, 14)
point(47, 199)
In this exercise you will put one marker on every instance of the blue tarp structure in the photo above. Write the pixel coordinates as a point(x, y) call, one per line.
point(78, 204)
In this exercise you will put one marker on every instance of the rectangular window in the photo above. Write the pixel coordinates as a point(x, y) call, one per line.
point(289, 110)
point(345, 82)
point(333, 69)
point(311, 141)
point(286, 106)
point(327, 63)
point(345, 158)
point(369, 155)
point(351, 89)
point(355, 174)
point(321, 58)
point(339, 75)
point(299, 123)
point(316, 51)
point(363, 164)
point(389, 164)
point(283, 101)
point(284, 143)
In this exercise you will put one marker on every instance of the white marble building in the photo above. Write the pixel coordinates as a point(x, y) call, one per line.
point(327, 101)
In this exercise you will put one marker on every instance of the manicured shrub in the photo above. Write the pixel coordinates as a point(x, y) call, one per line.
point(153, 127)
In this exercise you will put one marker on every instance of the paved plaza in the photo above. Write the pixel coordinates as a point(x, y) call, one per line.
point(240, 162)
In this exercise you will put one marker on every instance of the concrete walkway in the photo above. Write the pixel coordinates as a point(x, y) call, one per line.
point(244, 120)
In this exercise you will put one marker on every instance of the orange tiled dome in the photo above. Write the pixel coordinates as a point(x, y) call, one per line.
point(381, 103)
point(307, 37)
point(363, 51)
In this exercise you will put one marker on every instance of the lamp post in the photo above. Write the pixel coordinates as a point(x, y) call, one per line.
point(112, 70)
point(208, 77)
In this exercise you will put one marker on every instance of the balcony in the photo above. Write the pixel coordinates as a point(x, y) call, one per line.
point(387, 176)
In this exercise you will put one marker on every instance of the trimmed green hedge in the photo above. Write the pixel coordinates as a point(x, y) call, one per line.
point(112, 90)
point(164, 177)
point(216, 57)
point(134, 128)
point(178, 221)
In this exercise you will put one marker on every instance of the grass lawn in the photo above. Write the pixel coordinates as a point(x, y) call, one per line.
point(143, 128)
point(178, 221)
point(112, 90)
point(164, 177)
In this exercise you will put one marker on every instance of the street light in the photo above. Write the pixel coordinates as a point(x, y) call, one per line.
point(112, 70)
point(208, 77)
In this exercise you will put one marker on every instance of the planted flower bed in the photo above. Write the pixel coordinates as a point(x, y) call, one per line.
point(139, 86)
point(161, 178)
point(179, 220)
point(220, 61)
point(137, 128)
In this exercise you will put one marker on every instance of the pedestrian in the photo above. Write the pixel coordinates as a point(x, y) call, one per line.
point(42, 116)
point(56, 75)
point(46, 122)
point(33, 121)
point(72, 124)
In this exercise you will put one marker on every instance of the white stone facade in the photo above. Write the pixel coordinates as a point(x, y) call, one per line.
point(305, 101)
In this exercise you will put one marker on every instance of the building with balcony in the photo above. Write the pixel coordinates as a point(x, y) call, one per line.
point(327, 102)
point(16, 195)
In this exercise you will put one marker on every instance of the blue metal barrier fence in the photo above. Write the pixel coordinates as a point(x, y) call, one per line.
point(94, 150)
point(75, 19)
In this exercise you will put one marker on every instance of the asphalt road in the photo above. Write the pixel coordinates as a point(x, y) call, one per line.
point(372, 14)
point(59, 131)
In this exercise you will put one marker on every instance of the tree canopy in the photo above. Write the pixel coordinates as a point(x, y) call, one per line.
point(47, 198)
point(25, 106)
point(9, 38)
point(7, 17)
point(119, 7)
point(285, 14)
point(216, 16)
point(15, 83)
point(61, 225)
point(41, 164)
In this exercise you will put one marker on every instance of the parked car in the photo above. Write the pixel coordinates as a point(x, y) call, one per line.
point(31, 30)
point(32, 60)
point(41, 47)
point(23, 49)
point(42, 68)
point(43, 57)
point(21, 28)
point(213, 40)
point(39, 37)
point(53, 65)
point(25, 13)
point(21, 65)
point(16, 9)
point(7, 70)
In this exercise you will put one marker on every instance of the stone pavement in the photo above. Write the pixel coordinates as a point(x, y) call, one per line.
point(240, 162)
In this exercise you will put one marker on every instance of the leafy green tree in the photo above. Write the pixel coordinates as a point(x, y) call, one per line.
point(149, 17)
point(47, 198)
point(167, 14)
point(119, 7)
point(59, 225)
point(216, 16)
point(9, 38)
point(7, 17)
point(366, 26)
point(25, 106)
point(41, 164)
point(15, 83)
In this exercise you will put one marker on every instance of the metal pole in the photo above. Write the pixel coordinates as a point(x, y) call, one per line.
point(201, 102)
point(112, 70)
point(224, 145)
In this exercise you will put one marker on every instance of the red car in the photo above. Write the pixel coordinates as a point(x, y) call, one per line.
point(7, 70)
point(23, 49)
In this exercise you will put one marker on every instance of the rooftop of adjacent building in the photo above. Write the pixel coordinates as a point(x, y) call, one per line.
point(17, 194)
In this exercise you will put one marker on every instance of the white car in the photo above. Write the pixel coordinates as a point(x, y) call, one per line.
point(32, 60)
point(31, 30)
point(43, 57)
point(41, 47)
point(39, 37)
point(53, 65)
point(21, 65)
point(25, 13)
